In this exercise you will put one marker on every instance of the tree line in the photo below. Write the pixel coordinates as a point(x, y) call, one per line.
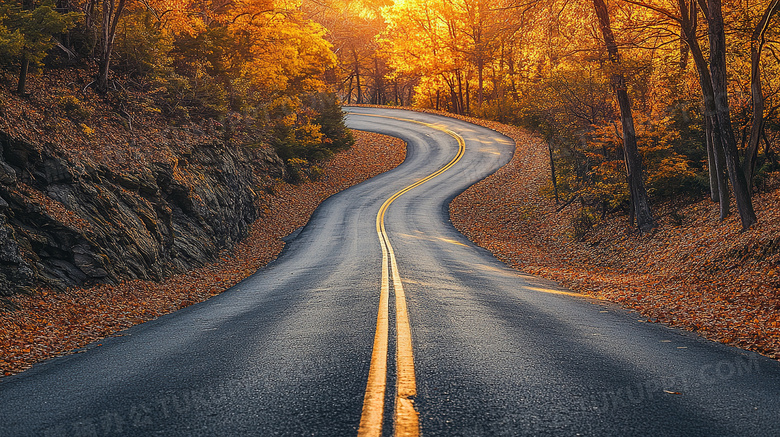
point(260, 61)
point(638, 100)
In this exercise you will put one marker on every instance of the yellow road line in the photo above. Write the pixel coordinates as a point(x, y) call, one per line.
point(561, 292)
point(406, 418)
point(374, 399)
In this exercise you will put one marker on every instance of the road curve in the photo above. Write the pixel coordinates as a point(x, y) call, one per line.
point(290, 350)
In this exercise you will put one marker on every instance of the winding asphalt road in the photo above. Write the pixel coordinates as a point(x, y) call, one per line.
point(380, 318)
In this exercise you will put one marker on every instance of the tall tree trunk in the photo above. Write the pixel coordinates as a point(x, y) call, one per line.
point(468, 98)
point(357, 77)
point(89, 8)
point(378, 84)
point(111, 13)
point(349, 93)
point(25, 68)
point(724, 197)
point(768, 153)
point(552, 171)
point(460, 103)
point(756, 45)
point(511, 64)
point(719, 189)
point(633, 160)
point(454, 99)
point(716, 161)
point(480, 81)
point(717, 38)
point(711, 165)
point(684, 52)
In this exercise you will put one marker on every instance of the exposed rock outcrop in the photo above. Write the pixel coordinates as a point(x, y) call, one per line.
point(72, 223)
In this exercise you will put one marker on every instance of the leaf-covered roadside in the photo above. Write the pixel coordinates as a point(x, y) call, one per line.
point(47, 324)
point(691, 271)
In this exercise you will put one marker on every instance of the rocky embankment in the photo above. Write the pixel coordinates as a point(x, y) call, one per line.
point(65, 223)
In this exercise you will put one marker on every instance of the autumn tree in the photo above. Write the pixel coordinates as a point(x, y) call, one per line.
point(112, 11)
point(352, 27)
point(639, 202)
point(757, 43)
point(716, 90)
point(433, 39)
point(718, 75)
point(542, 63)
point(688, 19)
point(256, 64)
point(27, 32)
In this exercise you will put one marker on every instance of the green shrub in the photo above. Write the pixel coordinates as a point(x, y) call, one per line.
point(74, 108)
point(767, 176)
point(583, 222)
point(141, 48)
point(312, 131)
point(297, 170)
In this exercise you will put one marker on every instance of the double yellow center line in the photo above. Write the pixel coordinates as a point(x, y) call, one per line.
point(406, 418)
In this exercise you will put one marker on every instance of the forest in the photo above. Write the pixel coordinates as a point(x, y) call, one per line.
point(256, 68)
point(639, 101)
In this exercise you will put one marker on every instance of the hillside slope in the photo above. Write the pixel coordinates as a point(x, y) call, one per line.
point(103, 188)
point(47, 323)
point(691, 271)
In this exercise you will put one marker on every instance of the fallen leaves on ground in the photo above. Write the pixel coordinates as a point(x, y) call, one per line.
point(47, 323)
